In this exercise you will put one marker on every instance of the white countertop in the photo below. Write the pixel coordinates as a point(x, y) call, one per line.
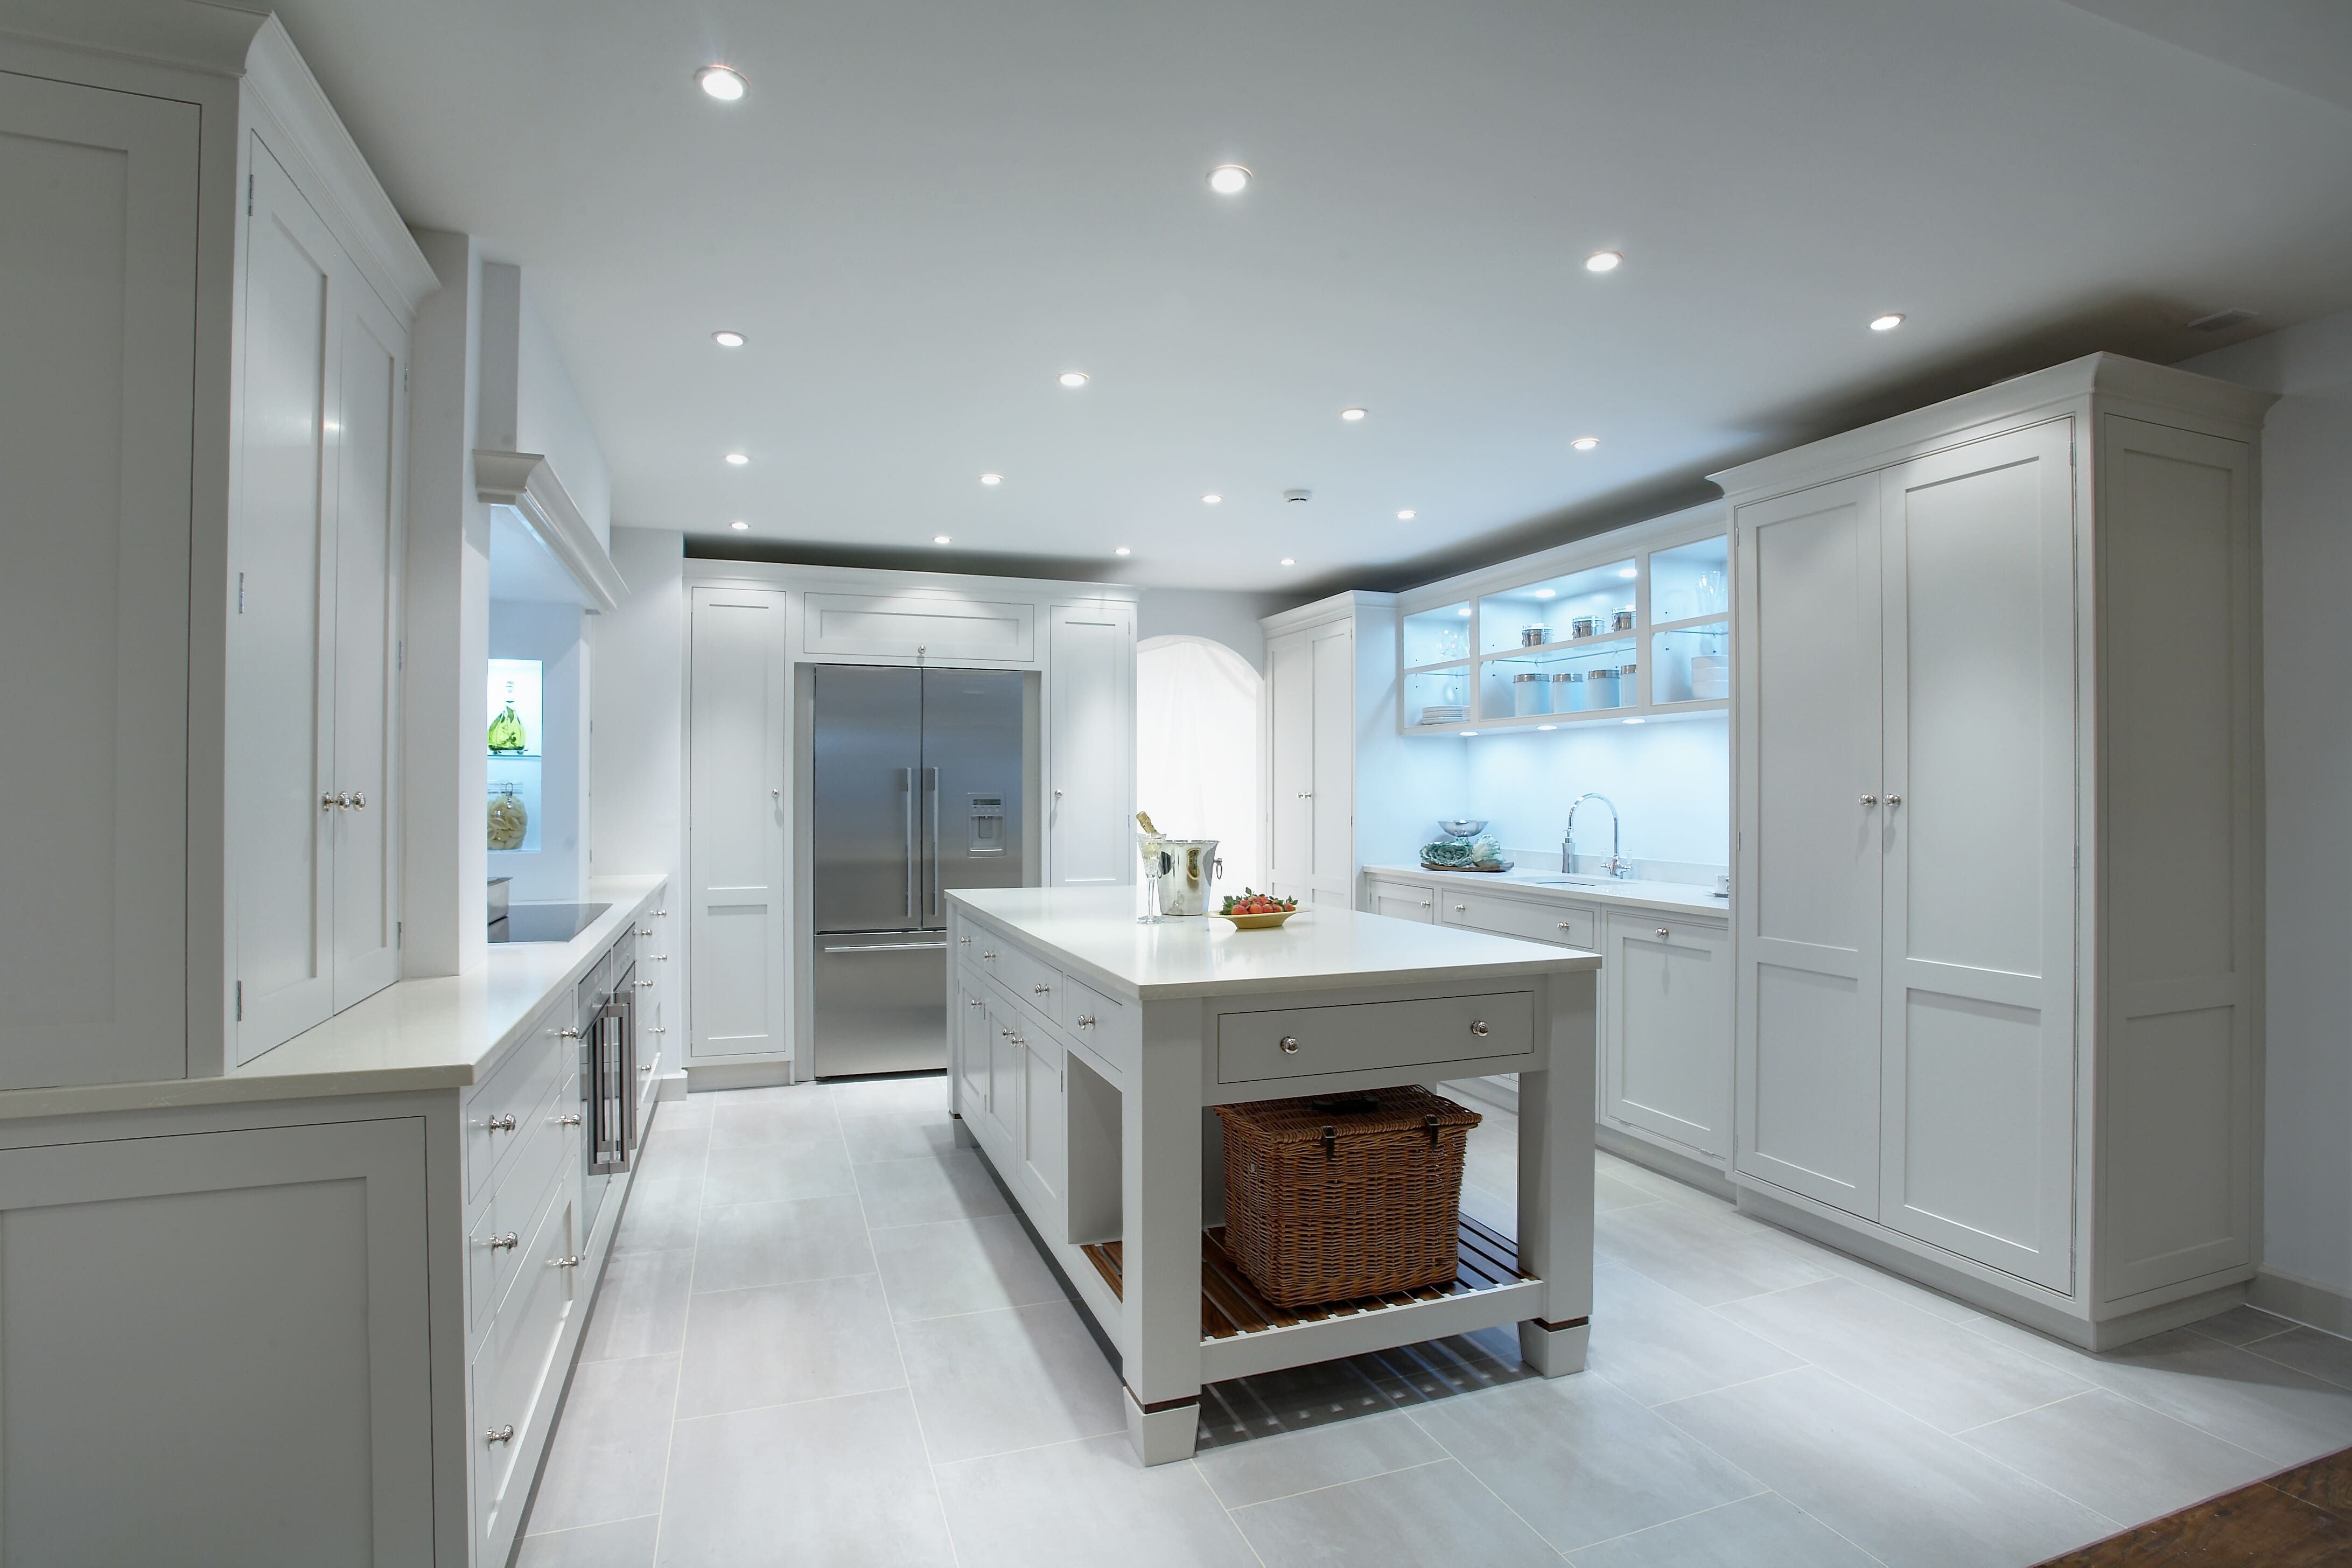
point(1675, 896)
point(444, 1032)
point(1093, 933)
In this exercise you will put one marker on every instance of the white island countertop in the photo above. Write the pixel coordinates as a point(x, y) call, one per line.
point(443, 1032)
point(1094, 930)
point(1674, 897)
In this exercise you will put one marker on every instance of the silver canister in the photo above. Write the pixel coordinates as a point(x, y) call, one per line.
point(1534, 637)
point(1583, 625)
point(1530, 693)
point(1622, 621)
point(1187, 873)
point(1568, 692)
point(1601, 688)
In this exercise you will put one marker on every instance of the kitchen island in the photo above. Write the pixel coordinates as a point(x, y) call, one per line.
point(1085, 1048)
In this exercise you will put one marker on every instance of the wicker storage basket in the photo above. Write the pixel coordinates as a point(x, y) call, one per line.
point(1330, 1199)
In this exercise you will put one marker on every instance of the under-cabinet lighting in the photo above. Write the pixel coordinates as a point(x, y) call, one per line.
point(1888, 323)
point(1229, 179)
point(1467, 734)
point(1547, 592)
point(722, 83)
point(1635, 721)
point(1547, 726)
point(1074, 378)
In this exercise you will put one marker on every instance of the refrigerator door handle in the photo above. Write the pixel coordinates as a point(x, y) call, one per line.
point(907, 786)
point(932, 788)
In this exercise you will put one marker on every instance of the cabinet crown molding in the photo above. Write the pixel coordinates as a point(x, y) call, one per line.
point(527, 482)
point(1956, 420)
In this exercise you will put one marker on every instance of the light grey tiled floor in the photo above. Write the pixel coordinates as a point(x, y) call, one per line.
point(824, 1338)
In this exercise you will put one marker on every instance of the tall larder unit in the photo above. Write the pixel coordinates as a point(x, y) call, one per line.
point(1997, 817)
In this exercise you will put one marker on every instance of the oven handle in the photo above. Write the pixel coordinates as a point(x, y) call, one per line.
point(939, 946)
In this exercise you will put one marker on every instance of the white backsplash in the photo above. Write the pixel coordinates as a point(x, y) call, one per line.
point(1671, 781)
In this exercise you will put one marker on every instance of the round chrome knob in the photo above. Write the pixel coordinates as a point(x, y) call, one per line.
point(499, 1433)
point(1563, 925)
point(567, 1033)
point(564, 1263)
point(988, 955)
point(498, 1124)
point(1289, 1045)
point(571, 1121)
point(1478, 1028)
point(644, 930)
point(1086, 1020)
point(329, 802)
point(1870, 800)
point(1662, 931)
point(661, 914)
point(1041, 990)
point(1895, 800)
point(1461, 909)
point(974, 1003)
point(964, 942)
point(359, 800)
point(506, 1243)
point(647, 985)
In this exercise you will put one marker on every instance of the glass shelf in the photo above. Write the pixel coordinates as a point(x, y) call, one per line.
point(515, 683)
point(1569, 678)
point(1553, 607)
point(1438, 697)
point(1691, 581)
point(1691, 663)
point(1437, 637)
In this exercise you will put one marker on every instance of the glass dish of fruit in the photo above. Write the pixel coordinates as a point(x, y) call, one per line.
point(1257, 912)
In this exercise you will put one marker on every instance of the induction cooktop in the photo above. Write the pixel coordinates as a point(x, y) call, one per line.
point(545, 923)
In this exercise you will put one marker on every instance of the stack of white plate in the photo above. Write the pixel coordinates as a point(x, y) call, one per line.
point(1444, 713)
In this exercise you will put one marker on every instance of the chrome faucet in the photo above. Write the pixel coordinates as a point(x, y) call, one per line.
point(1617, 866)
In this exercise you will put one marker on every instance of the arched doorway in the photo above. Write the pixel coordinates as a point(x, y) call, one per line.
point(1197, 765)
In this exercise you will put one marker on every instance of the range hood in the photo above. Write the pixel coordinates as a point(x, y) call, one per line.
point(541, 549)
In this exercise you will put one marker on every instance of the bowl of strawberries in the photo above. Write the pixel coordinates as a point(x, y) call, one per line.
point(1257, 912)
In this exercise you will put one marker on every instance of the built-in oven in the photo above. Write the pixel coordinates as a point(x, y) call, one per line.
point(608, 1077)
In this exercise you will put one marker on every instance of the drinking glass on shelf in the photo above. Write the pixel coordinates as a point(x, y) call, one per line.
point(1713, 597)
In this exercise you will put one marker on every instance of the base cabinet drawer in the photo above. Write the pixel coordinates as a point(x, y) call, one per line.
point(1097, 1019)
point(498, 1110)
point(513, 1390)
point(1567, 925)
point(1028, 979)
point(1402, 901)
point(1300, 1042)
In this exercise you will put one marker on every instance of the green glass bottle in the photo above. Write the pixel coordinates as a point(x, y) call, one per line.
point(506, 730)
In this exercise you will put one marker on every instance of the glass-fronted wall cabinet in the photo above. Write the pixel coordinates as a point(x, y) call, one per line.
point(516, 758)
point(1632, 624)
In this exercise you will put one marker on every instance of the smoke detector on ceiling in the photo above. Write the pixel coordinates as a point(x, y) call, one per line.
point(2222, 320)
point(1297, 495)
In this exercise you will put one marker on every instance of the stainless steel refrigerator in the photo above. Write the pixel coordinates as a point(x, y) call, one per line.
point(917, 780)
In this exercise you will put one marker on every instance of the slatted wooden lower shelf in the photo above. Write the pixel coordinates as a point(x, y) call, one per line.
point(1231, 1306)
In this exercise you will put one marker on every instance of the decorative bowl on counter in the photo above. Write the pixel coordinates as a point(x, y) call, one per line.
point(1257, 912)
point(1463, 826)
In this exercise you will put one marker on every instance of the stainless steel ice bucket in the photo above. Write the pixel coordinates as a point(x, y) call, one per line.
point(1188, 870)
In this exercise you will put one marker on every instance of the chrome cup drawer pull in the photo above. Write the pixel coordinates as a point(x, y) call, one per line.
point(499, 1433)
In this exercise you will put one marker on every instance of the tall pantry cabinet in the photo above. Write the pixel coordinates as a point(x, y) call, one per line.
point(1998, 843)
point(209, 297)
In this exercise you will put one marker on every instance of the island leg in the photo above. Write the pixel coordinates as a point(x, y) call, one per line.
point(1160, 1180)
point(1555, 1115)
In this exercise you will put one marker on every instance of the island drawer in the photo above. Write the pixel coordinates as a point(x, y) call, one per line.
point(1030, 979)
point(1302, 1042)
point(1096, 1018)
point(1565, 924)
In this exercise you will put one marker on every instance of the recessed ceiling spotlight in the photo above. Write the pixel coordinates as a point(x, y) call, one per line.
point(1469, 734)
point(1122, 550)
point(1604, 261)
point(941, 539)
point(738, 459)
point(739, 527)
point(722, 83)
point(1227, 179)
point(1286, 560)
point(1547, 726)
point(1547, 592)
point(1888, 323)
point(1074, 378)
point(1212, 498)
point(1636, 721)
point(1351, 415)
point(1405, 516)
point(992, 479)
point(1585, 442)
point(1628, 573)
point(728, 340)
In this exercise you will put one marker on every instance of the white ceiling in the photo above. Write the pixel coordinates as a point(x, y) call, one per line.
point(922, 213)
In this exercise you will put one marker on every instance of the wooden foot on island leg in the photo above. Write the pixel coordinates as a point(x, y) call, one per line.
point(1554, 1349)
point(1164, 1435)
point(964, 1136)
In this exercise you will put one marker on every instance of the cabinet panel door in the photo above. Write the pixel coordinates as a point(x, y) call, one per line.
point(370, 445)
point(1290, 754)
point(98, 278)
point(971, 1051)
point(1334, 769)
point(1091, 811)
point(1978, 1121)
point(1042, 1130)
point(1668, 1050)
point(1807, 888)
point(736, 850)
point(272, 1405)
point(281, 649)
point(1003, 1115)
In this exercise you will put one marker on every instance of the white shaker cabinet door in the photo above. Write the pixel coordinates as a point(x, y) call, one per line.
point(737, 816)
point(1667, 1046)
point(1089, 814)
point(1333, 829)
point(1809, 819)
point(281, 648)
point(1290, 753)
point(98, 278)
point(368, 442)
point(1977, 829)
